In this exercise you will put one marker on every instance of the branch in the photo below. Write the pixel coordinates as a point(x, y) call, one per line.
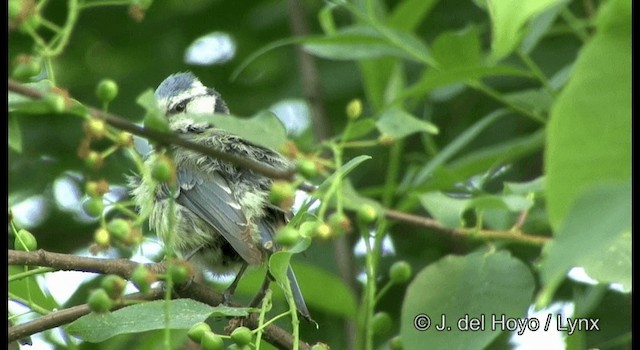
point(273, 334)
point(167, 138)
point(509, 236)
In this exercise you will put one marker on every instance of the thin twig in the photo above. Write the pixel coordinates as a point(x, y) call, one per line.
point(465, 232)
point(275, 335)
point(168, 138)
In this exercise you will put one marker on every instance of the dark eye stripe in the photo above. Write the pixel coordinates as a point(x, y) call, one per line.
point(179, 107)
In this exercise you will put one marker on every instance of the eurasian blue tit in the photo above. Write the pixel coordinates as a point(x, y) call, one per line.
point(223, 219)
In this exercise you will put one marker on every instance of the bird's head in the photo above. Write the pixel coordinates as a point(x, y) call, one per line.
point(183, 93)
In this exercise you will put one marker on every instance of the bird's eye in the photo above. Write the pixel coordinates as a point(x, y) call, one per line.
point(180, 107)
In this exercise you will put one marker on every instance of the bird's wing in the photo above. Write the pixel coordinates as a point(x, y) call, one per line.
point(212, 201)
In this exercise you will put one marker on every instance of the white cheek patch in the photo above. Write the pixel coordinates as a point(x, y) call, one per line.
point(202, 105)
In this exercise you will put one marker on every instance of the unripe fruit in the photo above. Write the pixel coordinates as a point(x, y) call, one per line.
point(93, 160)
point(102, 237)
point(142, 278)
point(196, 331)
point(99, 301)
point(96, 128)
point(211, 341)
point(107, 90)
point(287, 236)
point(367, 214)
point(93, 207)
point(400, 272)
point(282, 194)
point(163, 169)
point(241, 336)
point(119, 228)
point(381, 323)
point(113, 285)
point(25, 241)
point(340, 223)
point(354, 109)
point(307, 168)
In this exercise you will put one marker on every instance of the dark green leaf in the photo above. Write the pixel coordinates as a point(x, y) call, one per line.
point(408, 14)
point(184, 313)
point(589, 138)
point(473, 286)
point(596, 235)
point(398, 124)
point(263, 129)
point(15, 134)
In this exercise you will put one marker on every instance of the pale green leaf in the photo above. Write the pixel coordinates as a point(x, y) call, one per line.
point(589, 134)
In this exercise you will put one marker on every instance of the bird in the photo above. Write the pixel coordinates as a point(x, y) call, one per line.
point(223, 219)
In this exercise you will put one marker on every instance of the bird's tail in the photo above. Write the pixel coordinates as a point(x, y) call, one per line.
point(297, 296)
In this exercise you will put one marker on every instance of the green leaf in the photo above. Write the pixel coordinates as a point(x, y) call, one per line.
point(524, 188)
point(539, 26)
point(353, 200)
point(361, 127)
point(589, 134)
point(15, 100)
point(278, 264)
point(325, 18)
point(263, 129)
point(433, 79)
point(398, 124)
point(352, 44)
point(456, 145)
point(508, 18)
point(481, 160)
point(595, 235)
point(445, 209)
point(340, 173)
point(408, 14)
point(15, 134)
point(147, 100)
point(141, 317)
point(473, 286)
point(537, 101)
point(456, 49)
point(449, 210)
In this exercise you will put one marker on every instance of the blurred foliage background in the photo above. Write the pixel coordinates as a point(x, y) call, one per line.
point(139, 48)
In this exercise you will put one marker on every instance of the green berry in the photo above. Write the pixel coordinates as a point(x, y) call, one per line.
point(382, 323)
point(142, 278)
point(124, 139)
point(307, 168)
point(119, 228)
point(99, 301)
point(93, 160)
point(26, 68)
point(320, 346)
point(367, 214)
point(96, 128)
point(113, 285)
point(400, 272)
point(287, 236)
point(211, 341)
point(25, 241)
point(55, 102)
point(102, 237)
point(323, 231)
point(282, 194)
point(163, 169)
point(96, 188)
point(241, 336)
point(196, 331)
point(180, 271)
point(93, 207)
point(340, 223)
point(354, 109)
point(395, 343)
point(107, 90)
